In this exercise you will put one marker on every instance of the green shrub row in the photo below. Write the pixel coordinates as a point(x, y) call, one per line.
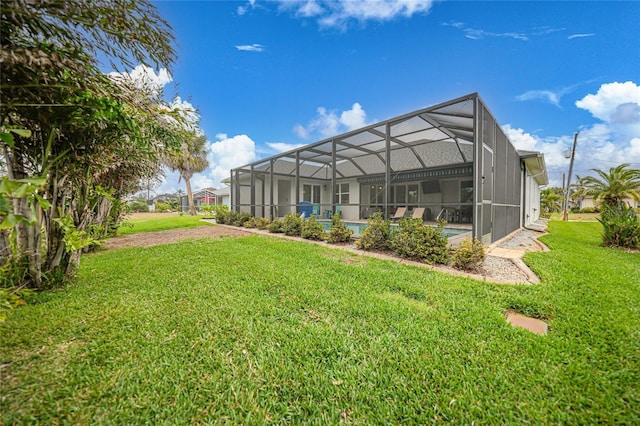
point(411, 239)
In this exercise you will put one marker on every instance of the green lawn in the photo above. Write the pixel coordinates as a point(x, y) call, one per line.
point(261, 330)
point(150, 222)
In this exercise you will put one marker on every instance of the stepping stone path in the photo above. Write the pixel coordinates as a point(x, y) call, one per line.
point(532, 324)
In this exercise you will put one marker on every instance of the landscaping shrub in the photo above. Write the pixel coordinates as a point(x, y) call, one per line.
point(376, 235)
point(230, 217)
point(469, 256)
point(221, 213)
point(137, 205)
point(208, 209)
point(414, 240)
point(313, 230)
point(262, 223)
point(251, 223)
point(162, 207)
point(339, 233)
point(292, 225)
point(241, 218)
point(589, 210)
point(620, 226)
point(276, 226)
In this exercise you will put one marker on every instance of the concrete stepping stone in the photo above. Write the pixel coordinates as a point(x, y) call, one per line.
point(532, 324)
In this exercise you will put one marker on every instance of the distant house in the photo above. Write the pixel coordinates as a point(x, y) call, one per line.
point(588, 202)
point(452, 161)
point(205, 196)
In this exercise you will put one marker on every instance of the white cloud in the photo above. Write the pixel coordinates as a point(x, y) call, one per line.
point(144, 77)
point(572, 36)
point(330, 13)
point(328, 123)
point(283, 147)
point(612, 141)
point(227, 153)
point(548, 95)
point(255, 47)
point(244, 9)
point(609, 97)
point(479, 34)
point(354, 118)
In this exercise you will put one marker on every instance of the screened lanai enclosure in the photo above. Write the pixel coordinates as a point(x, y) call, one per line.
point(451, 161)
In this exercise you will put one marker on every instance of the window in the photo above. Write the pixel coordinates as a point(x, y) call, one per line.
point(412, 191)
point(376, 194)
point(466, 191)
point(342, 193)
point(401, 194)
point(311, 193)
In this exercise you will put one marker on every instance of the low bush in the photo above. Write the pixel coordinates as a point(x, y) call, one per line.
point(221, 213)
point(276, 226)
point(313, 230)
point(208, 209)
point(339, 233)
point(376, 235)
point(620, 226)
point(589, 210)
point(414, 240)
point(292, 225)
point(137, 205)
point(262, 223)
point(251, 223)
point(241, 218)
point(469, 255)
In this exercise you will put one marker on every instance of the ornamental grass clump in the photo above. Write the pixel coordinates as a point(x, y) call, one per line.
point(339, 233)
point(313, 230)
point(292, 225)
point(469, 255)
point(414, 240)
point(620, 226)
point(376, 235)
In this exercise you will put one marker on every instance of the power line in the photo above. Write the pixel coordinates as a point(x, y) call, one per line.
point(609, 161)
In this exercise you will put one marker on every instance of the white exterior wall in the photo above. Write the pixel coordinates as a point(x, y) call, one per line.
point(350, 212)
point(532, 200)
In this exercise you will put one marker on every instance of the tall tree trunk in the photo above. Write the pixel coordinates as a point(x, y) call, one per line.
point(192, 207)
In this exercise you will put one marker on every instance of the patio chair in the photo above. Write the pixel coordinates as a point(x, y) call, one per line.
point(418, 213)
point(399, 214)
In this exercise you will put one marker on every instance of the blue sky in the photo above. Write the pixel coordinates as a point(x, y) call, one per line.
point(266, 76)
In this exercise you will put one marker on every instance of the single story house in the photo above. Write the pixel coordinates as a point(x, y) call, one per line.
point(453, 160)
point(205, 196)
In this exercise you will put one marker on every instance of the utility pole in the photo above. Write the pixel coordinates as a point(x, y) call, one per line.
point(564, 190)
point(566, 197)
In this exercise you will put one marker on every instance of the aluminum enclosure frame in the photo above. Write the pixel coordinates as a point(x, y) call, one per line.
point(449, 143)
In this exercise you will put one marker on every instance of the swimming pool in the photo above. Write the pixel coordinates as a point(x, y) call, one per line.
point(358, 227)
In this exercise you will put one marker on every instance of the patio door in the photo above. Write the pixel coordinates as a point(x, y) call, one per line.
point(284, 197)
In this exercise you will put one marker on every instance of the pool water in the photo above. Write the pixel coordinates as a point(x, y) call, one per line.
point(358, 227)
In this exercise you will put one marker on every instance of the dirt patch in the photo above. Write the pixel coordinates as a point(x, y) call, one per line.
point(148, 239)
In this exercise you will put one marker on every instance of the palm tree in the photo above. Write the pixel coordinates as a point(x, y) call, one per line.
point(578, 191)
point(621, 182)
point(190, 159)
point(551, 200)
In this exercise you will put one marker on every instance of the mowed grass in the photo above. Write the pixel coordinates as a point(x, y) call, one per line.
point(151, 222)
point(259, 330)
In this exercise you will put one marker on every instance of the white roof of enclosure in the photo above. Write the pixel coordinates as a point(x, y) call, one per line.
point(436, 136)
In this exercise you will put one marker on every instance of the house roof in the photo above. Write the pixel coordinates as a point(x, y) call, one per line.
point(534, 162)
point(436, 136)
